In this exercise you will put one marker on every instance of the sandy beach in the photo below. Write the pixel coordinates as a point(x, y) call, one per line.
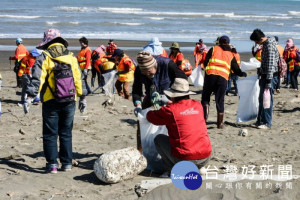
point(102, 129)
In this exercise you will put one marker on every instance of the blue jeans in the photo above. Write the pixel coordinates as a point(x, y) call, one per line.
point(264, 115)
point(276, 82)
point(58, 121)
point(233, 78)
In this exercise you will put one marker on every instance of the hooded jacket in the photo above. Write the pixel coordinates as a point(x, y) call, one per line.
point(44, 65)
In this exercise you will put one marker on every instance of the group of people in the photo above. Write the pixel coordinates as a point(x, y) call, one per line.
point(60, 78)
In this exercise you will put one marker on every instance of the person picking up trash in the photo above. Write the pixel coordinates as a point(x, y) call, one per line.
point(156, 74)
point(187, 134)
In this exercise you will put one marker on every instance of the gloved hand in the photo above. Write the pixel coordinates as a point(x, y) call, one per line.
point(159, 99)
point(82, 105)
point(10, 58)
point(26, 104)
point(85, 72)
point(137, 110)
point(244, 74)
point(93, 82)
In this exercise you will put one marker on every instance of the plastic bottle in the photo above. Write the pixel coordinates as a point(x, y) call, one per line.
point(267, 99)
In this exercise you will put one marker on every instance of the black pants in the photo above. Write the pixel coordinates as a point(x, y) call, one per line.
point(294, 77)
point(218, 85)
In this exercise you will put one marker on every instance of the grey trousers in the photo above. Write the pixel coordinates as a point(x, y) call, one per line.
point(25, 81)
point(163, 147)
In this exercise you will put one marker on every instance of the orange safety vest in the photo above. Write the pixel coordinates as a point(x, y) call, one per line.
point(164, 54)
point(280, 50)
point(26, 65)
point(258, 55)
point(129, 76)
point(22, 52)
point(292, 54)
point(186, 67)
point(219, 63)
point(176, 57)
point(82, 58)
point(98, 62)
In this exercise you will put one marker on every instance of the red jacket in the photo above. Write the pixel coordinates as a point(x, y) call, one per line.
point(186, 128)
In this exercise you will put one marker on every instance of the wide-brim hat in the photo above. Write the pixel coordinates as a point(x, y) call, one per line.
point(175, 45)
point(179, 88)
point(52, 36)
point(155, 41)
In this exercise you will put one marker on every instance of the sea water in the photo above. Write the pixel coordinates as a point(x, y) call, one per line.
point(169, 20)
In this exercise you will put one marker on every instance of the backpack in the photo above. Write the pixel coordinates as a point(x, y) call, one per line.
point(64, 82)
point(282, 67)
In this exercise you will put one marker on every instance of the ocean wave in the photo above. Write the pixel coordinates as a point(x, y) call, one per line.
point(75, 9)
point(61, 23)
point(256, 20)
point(19, 16)
point(262, 16)
point(296, 13)
point(96, 9)
point(157, 18)
point(124, 23)
point(296, 25)
point(108, 9)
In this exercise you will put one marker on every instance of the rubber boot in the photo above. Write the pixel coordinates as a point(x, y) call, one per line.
point(220, 124)
point(205, 111)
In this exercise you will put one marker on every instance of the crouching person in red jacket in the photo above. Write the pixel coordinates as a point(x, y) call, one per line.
point(184, 119)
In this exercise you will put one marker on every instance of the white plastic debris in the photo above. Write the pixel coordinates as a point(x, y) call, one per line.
point(123, 164)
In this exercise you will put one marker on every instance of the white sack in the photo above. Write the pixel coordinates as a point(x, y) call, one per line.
point(251, 65)
point(123, 164)
point(197, 77)
point(148, 133)
point(110, 80)
point(248, 102)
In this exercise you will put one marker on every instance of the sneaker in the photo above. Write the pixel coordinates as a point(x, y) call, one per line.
point(263, 126)
point(52, 168)
point(278, 91)
point(254, 125)
point(36, 101)
point(66, 168)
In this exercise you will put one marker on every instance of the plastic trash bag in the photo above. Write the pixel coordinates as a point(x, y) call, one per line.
point(148, 133)
point(251, 65)
point(267, 99)
point(197, 77)
point(248, 102)
point(110, 79)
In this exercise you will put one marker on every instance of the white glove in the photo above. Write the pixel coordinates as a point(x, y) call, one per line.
point(26, 105)
point(82, 105)
point(159, 99)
